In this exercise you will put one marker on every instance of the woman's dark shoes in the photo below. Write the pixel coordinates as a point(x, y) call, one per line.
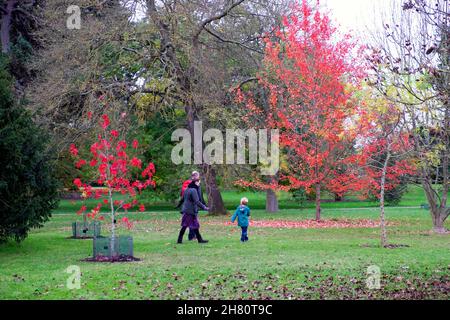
point(199, 237)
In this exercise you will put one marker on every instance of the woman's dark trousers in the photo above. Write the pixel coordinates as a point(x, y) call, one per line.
point(191, 235)
point(196, 234)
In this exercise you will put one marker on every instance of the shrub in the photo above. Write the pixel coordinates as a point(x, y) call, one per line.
point(28, 186)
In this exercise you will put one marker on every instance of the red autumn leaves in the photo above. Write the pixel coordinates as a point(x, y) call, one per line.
point(309, 224)
point(115, 172)
point(310, 76)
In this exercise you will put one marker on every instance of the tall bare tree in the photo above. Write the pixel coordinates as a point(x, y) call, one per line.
point(77, 71)
point(411, 66)
point(19, 22)
point(76, 67)
point(197, 40)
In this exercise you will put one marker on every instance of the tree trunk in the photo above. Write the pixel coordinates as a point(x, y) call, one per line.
point(438, 211)
point(271, 201)
point(439, 218)
point(215, 201)
point(6, 25)
point(382, 192)
point(318, 202)
point(438, 206)
point(337, 197)
point(112, 243)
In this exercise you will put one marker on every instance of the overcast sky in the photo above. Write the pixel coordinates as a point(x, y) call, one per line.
point(358, 15)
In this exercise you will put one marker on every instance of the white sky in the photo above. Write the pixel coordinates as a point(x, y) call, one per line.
point(358, 16)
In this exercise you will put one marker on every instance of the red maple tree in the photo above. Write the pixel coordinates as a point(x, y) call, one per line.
point(309, 74)
point(117, 174)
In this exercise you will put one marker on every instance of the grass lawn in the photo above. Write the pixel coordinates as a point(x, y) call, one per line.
point(277, 263)
point(413, 198)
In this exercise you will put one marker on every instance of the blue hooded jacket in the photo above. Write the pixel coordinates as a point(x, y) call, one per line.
point(242, 213)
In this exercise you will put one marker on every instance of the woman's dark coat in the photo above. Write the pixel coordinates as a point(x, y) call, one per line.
point(200, 196)
point(192, 202)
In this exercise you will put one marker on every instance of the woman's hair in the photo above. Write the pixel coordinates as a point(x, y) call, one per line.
point(244, 200)
point(195, 176)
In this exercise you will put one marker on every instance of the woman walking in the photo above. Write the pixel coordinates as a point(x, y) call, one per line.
point(191, 205)
point(194, 176)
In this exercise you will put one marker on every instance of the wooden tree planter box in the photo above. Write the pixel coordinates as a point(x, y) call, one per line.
point(123, 248)
point(81, 230)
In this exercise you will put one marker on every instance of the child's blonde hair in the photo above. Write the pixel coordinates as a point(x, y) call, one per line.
point(244, 200)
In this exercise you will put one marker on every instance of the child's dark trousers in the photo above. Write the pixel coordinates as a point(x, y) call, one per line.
point(244, 236)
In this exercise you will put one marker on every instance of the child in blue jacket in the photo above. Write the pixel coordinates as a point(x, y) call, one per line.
point(242, 213)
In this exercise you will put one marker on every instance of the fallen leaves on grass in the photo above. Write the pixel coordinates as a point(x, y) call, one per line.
point(388, 246)
point(120, 258)
point(319, 285)
point(308, 224)
point(18, 278)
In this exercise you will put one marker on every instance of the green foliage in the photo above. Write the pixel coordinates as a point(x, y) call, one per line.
point(156, 136)
point(22, 50)
point(393, 196)
point(117, 63)
point(28, 187)
point(66, 172)
point(300, 196)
